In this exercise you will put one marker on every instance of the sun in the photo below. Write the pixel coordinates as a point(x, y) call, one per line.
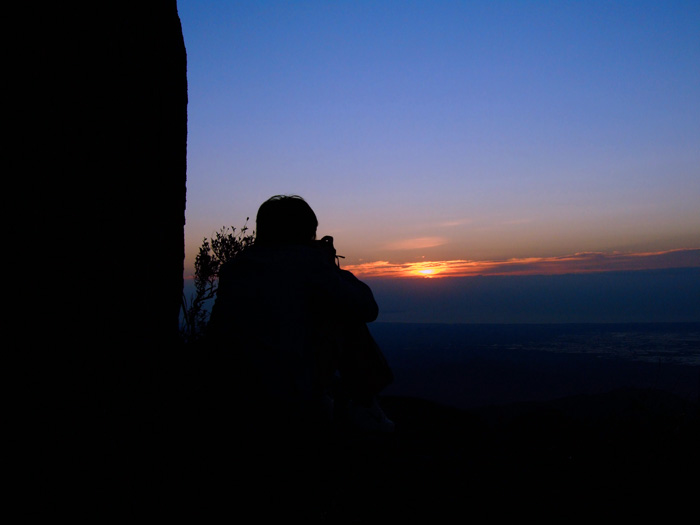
point(424, 269)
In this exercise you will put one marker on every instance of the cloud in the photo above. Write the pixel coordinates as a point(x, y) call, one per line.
point(417, 243)
point(577, 263)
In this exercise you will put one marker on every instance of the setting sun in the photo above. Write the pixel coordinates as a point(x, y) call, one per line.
point(424, 269)
point(576, 263)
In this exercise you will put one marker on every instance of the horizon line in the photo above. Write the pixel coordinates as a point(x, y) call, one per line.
point(583, 262)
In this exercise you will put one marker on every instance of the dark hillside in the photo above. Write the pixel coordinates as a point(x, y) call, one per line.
point(628, 451)
point(197, 457)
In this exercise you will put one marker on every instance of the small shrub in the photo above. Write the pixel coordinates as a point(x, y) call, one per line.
point(224, 246)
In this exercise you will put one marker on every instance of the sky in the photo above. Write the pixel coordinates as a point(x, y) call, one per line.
point(452, 138)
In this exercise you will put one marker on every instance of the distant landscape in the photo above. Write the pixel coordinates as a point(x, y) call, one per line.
point(476, 365)
point(644, 296)
point(666, 343)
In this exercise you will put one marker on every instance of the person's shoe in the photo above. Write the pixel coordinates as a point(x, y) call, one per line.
point(370, 418)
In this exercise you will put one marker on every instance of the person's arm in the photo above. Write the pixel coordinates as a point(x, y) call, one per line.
point(346, 293)
point(359, 296)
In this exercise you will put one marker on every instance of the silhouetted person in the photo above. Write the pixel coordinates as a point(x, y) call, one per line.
point(294, 356)
point(294, 325)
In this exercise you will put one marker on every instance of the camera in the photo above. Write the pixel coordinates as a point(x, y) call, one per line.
point(325, 242)
point(326, 245)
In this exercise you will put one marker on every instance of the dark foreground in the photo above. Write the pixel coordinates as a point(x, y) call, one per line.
point(188, 453)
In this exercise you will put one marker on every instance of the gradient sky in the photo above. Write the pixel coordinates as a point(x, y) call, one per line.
point(463, 131)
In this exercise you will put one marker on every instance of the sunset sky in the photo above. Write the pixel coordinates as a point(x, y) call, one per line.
point(441, 138)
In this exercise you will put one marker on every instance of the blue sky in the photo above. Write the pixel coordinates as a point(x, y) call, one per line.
point(449, 131)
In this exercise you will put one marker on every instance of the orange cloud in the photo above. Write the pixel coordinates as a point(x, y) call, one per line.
point(577, 263)
point(417, 243)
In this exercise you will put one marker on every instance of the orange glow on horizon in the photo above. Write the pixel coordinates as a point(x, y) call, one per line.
point(576, 263)
point(425, 269)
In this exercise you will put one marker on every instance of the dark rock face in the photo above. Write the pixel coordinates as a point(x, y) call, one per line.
point(104, 175)
point(99, 134)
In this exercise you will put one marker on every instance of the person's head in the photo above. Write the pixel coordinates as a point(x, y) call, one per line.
point(285, 219)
